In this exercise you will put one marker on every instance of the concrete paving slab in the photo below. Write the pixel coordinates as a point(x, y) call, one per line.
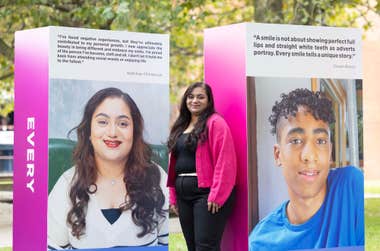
point(174, 225)
point(6, 220)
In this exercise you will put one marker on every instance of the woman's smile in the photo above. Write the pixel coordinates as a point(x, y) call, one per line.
point(112, 143)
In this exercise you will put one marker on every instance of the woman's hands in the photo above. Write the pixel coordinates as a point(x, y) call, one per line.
point(213, 207)
point(174, 209)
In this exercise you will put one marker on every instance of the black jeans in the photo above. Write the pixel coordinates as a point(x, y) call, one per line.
point(202, 229)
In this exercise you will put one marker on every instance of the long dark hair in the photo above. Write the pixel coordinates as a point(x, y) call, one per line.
point(200, 130)
point(141, 176)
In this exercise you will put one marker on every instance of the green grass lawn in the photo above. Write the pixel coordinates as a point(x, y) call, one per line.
point(177, 242)
point(5, 249)
point(372, 186)
point(372, 224)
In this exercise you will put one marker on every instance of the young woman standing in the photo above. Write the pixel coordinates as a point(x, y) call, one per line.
point(202, 169)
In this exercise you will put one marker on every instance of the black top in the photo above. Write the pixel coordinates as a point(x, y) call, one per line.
point(185, 157)
point(111, 214)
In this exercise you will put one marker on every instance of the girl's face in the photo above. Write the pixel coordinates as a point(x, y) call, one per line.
point(197, 101)
point(112, 131)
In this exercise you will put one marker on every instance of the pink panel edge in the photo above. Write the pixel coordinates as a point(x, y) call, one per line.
point(224, 52)
point(31, 134)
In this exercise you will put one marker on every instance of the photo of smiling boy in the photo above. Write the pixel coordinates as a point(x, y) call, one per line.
point(325, 206)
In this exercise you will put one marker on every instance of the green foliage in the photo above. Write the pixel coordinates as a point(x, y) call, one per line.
point(312, 12)
point(184, 20)
point(6, 94)
point(188, 20)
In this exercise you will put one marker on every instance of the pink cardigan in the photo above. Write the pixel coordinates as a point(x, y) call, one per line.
point(215, 162)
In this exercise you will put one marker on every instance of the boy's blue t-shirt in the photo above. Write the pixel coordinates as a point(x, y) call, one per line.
point(339, 221)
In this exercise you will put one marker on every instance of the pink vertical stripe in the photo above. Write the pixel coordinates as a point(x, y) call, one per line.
point(31, 100)
point(224, 53)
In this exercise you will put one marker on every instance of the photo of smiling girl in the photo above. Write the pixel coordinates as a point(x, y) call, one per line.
point(114, 195)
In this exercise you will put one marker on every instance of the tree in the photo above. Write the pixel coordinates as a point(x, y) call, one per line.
point(184, 20)
point(342, 13)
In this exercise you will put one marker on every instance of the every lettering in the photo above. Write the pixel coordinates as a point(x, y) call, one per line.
point(30, 153)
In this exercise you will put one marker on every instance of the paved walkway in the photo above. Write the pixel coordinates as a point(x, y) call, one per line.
point(6, 196)
point(371, 195)
point(5, 224)
point(174, 225)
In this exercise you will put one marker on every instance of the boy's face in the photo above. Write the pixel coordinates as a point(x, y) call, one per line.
point(303, 151)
